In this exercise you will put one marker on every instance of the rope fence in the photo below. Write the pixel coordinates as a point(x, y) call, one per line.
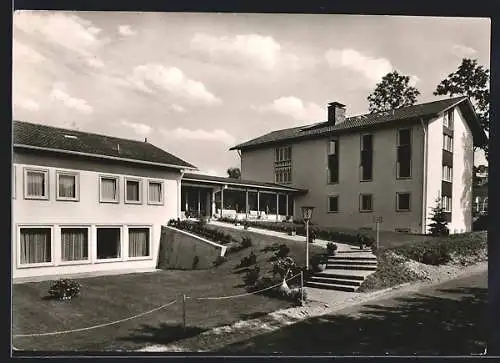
point(183, 300)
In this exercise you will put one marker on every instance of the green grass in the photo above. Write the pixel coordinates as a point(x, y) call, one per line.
point(109, 298)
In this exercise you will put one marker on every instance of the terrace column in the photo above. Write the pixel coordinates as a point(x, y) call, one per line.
point(258, 202)
point(287, 204)
point(213, 203)
point(187, 204)
point(221, 200)
point(277, 207)
point(246, 203)
point(199, 203)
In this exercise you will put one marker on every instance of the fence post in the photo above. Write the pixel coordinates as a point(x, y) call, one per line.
point(184, 311)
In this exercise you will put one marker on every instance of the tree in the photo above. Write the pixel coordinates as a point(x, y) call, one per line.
point(439, 225)
point(393, 91)
point(234, 173)
point(471, 80)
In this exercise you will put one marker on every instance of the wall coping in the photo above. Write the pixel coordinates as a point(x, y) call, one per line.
point(222, 247)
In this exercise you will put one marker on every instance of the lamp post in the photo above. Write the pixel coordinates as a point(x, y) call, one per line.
point(307, 212)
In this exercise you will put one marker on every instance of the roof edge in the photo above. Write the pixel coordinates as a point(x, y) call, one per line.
point(100, 156)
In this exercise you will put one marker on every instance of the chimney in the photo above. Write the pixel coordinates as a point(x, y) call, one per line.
point(145, 139)
point(336, 113)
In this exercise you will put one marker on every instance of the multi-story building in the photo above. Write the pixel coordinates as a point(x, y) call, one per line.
point(394, 164)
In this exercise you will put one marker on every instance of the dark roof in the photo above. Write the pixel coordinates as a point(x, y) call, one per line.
point(30, 135)
point(209, 179)
point(355, 123)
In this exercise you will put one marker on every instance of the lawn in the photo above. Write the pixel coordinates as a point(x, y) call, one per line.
point(108, 298)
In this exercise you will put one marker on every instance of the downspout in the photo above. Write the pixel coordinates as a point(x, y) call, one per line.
point(424, 176)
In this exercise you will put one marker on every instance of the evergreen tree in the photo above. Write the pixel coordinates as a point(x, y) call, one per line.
point(439, 223)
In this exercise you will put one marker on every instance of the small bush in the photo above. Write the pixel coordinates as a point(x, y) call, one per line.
point(331, 248)
point(248, 261)
point(64, 289)
point(282, 265)
point(246, 242)
point(317, 261)
point(219, 261)
point(202, 222)
point(283, 251)
point(251, 276)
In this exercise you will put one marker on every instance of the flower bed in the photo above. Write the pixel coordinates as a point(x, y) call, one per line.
point(201, 230)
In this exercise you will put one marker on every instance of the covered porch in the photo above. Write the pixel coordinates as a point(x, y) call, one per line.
point(216, 197)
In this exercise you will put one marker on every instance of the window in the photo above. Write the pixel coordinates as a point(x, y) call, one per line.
point(138, 242)
point(155, 192)
point(403, 202)
point(333, 161)
point(109, 189)
point(447, 143)
point(448, 119)
point(283, 165)
point(35, 246)
point(366, 203)
point(133, 191)
point(366, 157)
point(36, 184)
point(447, 173)
point(67, 186)
point(74, 244)
point(108, 243)
point(446, 203)
point(333, 204)
point(404, 154)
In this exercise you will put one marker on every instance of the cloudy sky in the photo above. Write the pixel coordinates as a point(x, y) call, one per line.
point(197, 84)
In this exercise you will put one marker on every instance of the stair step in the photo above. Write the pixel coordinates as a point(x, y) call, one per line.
point(351, 262)
point(344, 276)
point(335, 281)
point(350, 257)
point(351, 267)
point(320, 285)
point(355, 251)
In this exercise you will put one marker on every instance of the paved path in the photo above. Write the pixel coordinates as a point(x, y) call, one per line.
point(444, 319)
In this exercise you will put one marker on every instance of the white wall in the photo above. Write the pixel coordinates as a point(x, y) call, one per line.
point(88, 211)
point(434, 165)
point(309, 169)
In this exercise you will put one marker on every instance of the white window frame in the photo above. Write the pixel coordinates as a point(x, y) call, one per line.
point(397, 202)
point(448, 117)
point(447, 207)
point(162, 197)
point(445, 171)
point(361, 203)
point(445, 143)
point(45, 172)
point(122, 251)
point(18, 245)
point(132, 179)
point(77, 185)
point(13, 188)
point(89, 244)
point(117, 180)
point(150, 256)
point(328, 203)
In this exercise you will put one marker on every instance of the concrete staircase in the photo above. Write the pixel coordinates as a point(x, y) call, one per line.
point(345, 271)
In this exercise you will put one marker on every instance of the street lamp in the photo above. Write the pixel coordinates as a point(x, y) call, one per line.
point(307, 212)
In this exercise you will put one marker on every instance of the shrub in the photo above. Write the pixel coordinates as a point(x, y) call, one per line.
point(64, 289)
point(219, 261)
point(246, 242)
point(251, 276)
point(282, 265)
point(196, 260)
point(331, 248)
point(283, 251)
point(317, 261)
point(438, 256)
point(202, 222)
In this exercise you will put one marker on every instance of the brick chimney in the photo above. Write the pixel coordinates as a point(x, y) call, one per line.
point(336, 113)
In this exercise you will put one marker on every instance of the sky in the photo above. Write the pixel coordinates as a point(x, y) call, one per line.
point(196, 84)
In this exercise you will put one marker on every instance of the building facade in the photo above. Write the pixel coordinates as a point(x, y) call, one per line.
point(393, 165)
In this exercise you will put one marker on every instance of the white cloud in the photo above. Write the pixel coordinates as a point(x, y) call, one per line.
point(62, 29)
point(372, 68)
point(95, 62)
point(171, 79)
point(177, 108)
point(23, 52)
point(461, 50)
point(139, 128)
point(413, 80)
point(261, 50)
point(200, 135)
point(126, 30)
point(58, 94)
point(27, 104)
point(295, 108)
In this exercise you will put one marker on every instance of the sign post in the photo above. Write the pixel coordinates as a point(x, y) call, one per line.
point(378, 220)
